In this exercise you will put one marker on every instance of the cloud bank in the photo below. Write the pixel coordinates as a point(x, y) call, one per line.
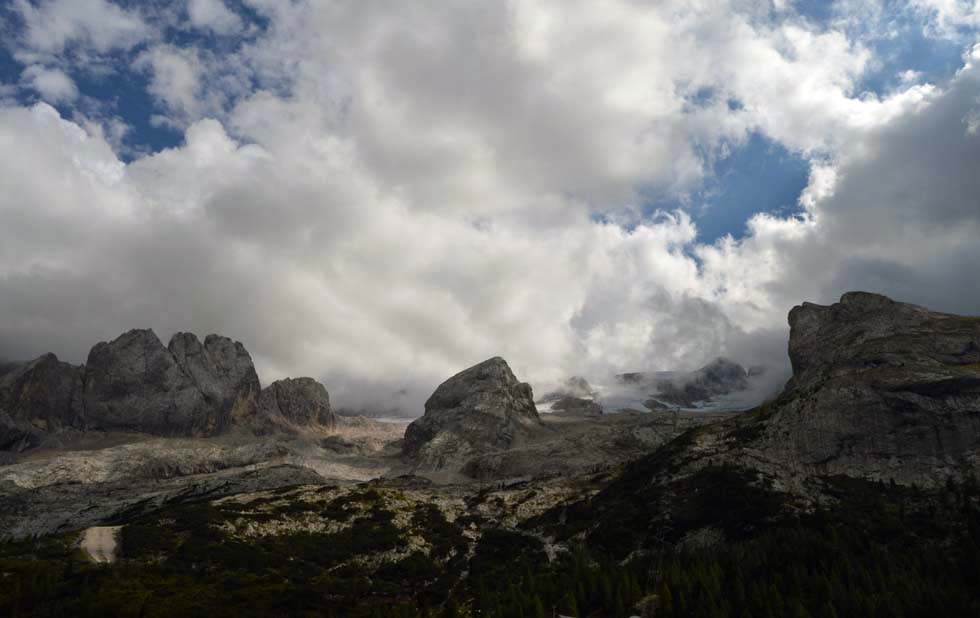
point(381, 196)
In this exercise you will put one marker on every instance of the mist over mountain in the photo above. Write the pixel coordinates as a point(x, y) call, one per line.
point(285, 175)
point(160, 460)
point(526, 308)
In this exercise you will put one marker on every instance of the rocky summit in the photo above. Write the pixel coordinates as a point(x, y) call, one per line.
point(880, 390)
point(222, 370)
point(719, 377)
point(482, 507)
point(41, 396)
point(481, 409)
point(721, 384)
point(298, 402)
point(135, 384)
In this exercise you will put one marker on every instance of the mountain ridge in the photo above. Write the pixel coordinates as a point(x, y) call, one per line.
point(134, 383)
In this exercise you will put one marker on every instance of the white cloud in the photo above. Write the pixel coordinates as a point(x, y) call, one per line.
point(191, 84)
point(213, 15)
point(175, 77)
point(949, 16)
point(54, 85)
point(50, 25)
point(409, 191)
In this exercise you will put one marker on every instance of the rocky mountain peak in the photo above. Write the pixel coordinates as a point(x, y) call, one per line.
point(39, 396)
point(134, 383)
point(719, 377)
point(223, 371)
point(870, 329)
point(490, 388)
point(880, 389)
point(480, 409)
point(298, 401)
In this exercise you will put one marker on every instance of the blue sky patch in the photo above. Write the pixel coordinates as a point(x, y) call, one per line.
point(936, 59)
point(902, 42)
point(125, 94)
point(760, 176)
point(9, 68)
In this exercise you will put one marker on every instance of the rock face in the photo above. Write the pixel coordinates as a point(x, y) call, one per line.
point(44, 392)
point(719, 377)
point(38, 397)
point(298, 402)
point(576, 406)
point(223, 371)
point(482, 409)
point(134, 383)
point(880, 388)
point(720, 385)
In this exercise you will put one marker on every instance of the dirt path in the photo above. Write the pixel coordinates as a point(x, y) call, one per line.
point(100, 542)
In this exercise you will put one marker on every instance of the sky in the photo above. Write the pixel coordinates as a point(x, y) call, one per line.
point(381, 194)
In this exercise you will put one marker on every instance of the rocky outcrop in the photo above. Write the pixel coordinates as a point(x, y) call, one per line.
point(223, 371)
point(880, 389)
point(719, 377)
point(576, 406)
point(482, 409)
point(721, 384)
point(16, 437)
point(134, 383)
point(38, 397)
point(43, 394)
point(299, 402)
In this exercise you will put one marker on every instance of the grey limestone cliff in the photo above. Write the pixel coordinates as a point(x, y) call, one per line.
point(133, 383)
point(880, 389)
point(484, 408)
point(297, 402)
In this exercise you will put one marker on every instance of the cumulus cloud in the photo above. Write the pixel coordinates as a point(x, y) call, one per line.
point(191, 84)
point(213, 15)
point(175, 77)
point(51, 25)
point(950, 16)
point(382, 196)
point(52, 85)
